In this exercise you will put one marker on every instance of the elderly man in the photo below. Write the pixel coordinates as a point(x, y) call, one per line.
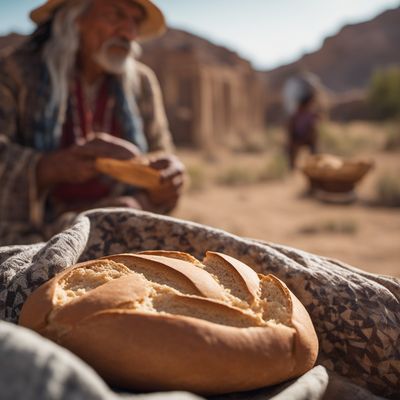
point(71, 93)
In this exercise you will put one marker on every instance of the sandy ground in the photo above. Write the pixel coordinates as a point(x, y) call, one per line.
point(360, 234)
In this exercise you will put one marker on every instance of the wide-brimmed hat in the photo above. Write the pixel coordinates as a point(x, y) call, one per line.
point(154, 24)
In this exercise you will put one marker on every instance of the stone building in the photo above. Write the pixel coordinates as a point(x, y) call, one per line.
point(212, 96)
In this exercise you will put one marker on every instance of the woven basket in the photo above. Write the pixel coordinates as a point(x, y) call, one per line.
point(333, 174)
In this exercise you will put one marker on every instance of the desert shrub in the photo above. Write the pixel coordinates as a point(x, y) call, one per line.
point(388, 190)
point(343, 141)
point(384, 93)
point(276, 168)
point(237, 176)
point(392, 142)
point(253, 144)
point(349, 227)
point(197, 178)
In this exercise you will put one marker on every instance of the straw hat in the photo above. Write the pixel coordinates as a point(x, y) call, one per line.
point(153, 25)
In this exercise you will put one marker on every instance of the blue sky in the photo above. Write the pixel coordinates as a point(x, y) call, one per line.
point(267, 32)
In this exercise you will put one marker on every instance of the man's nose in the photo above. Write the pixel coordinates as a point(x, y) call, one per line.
point(129, 30)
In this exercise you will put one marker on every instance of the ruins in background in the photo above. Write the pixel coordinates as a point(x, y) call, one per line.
point(212, 96)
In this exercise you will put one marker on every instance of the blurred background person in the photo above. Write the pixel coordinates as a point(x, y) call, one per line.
point(73, 92)
point(301, 102)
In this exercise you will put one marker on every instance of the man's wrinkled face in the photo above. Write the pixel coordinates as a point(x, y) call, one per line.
point(107, 30)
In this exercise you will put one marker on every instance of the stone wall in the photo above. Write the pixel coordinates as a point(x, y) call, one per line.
point(212, 96)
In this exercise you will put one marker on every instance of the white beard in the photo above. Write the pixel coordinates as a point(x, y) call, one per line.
point(114, 64)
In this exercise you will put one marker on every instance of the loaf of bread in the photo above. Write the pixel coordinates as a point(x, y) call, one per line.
point(162, 320)
point(133, 172)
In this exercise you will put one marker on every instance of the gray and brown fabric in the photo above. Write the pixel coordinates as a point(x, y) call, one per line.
point(28, 123)
point(356, 314)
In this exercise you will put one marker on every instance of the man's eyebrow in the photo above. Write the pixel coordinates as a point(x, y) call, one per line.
point(124, 8)
point(116, 7)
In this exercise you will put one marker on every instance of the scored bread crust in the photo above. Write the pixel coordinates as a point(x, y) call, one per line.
point(199, 340)
point(197, 281)
point(179, 255)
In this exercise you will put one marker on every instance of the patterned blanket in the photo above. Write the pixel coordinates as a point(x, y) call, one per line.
point(356, 314)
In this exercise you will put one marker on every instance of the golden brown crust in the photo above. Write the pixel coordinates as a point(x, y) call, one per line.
point(174, 254)
point(216, 359)
point(306, 340)
point(145, 335)
point(37, 307)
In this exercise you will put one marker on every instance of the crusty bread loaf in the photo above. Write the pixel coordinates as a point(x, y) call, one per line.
point(162, 320)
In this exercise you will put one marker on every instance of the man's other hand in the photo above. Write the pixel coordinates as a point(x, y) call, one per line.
point(172, 171)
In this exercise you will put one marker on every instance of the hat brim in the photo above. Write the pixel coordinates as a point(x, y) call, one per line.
point(154, 25)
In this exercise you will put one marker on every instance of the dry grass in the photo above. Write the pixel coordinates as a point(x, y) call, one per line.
point(237, 176)
point(349, 140)
point(340, 226)
point(275, 168)
point(197, 178)
point(256, 143)
point(392, 142)
point(260, 158)
point(388, 190)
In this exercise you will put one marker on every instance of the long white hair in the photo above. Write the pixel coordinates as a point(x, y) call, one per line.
point(60, 52)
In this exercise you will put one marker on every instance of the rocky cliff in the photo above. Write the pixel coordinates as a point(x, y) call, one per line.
point(346, 61)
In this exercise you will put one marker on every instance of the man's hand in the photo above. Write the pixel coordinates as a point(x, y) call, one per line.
point(108, 146)
point(64, 166)
point(76, 164)
point(172, 171)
